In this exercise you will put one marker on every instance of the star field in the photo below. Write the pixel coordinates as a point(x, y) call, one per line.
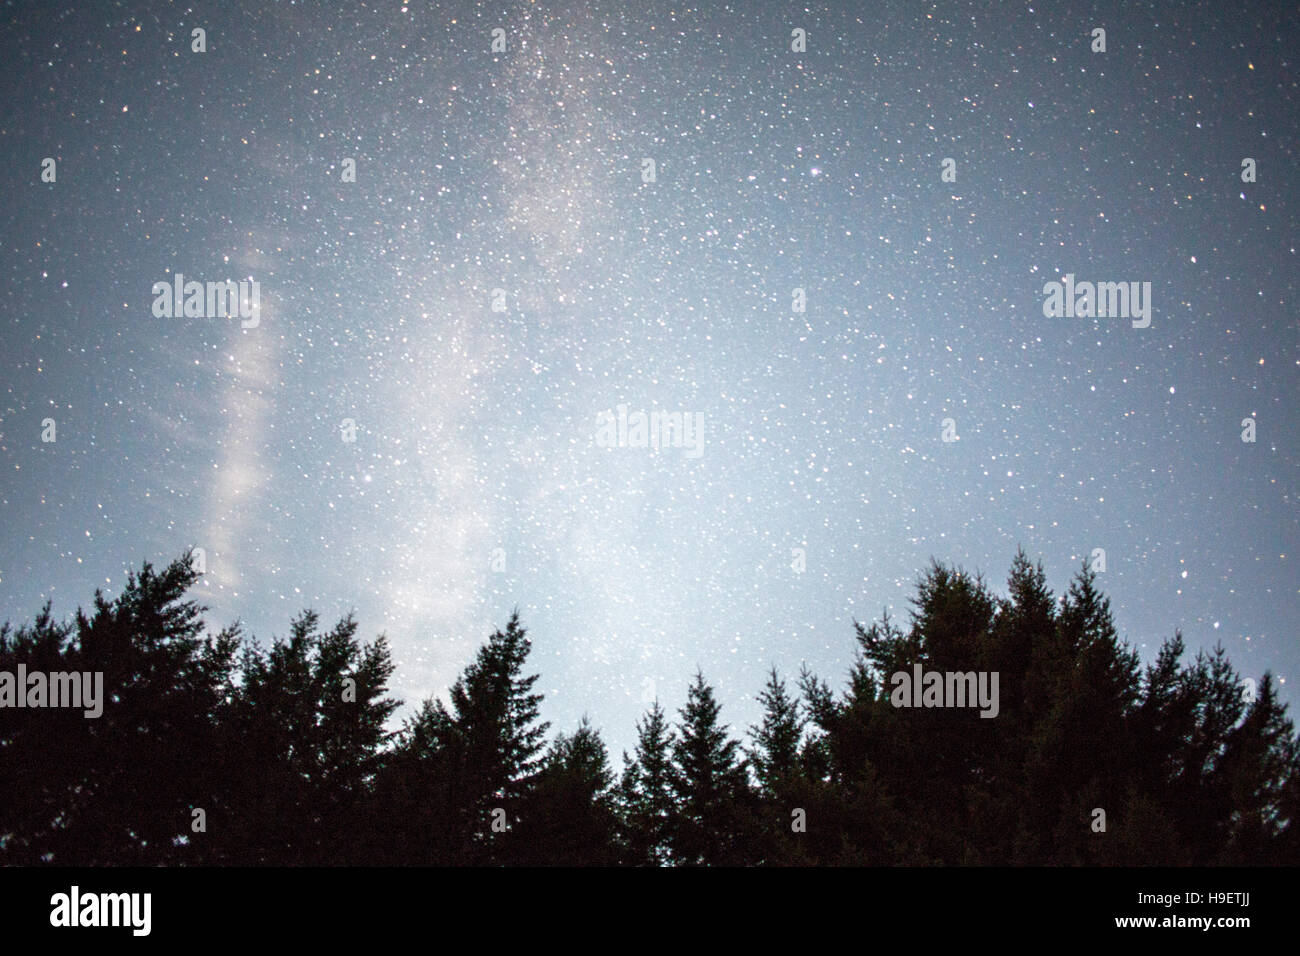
point(517, 178)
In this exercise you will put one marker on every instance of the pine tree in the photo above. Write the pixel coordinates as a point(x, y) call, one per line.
point(1022, 637)
point(784, 795)
point(284, 749)
point(819, 756)
point(310, 718)
point(568, 819)
point(646, 796)
point(482, 754)
point(1022, 650)
point(38, 784)
point(709, 780)
point(1260, 754)
point(419, 817)
point(775, 755)
point(1092, 684)
point(118, 789)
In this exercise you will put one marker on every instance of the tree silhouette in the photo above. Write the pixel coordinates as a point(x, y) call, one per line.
point(784, 792)
point(117, 789)
point(478, 758)
point(709, 782)
point(646, 797)
point(310, 717)
point(775, 755)
point(212, 749)
point(569, 817)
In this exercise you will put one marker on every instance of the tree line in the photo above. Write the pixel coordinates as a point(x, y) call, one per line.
point(215, 750)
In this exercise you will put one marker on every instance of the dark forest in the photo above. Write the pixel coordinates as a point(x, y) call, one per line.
point(213, 750)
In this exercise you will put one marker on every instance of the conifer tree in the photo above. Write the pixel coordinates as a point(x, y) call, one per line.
point(775, 755)
point(646, 796)
point(117, 789)
point(310, 718)
point(285, 750)
point(709, 780)
point(568, 819)
point(483, 752)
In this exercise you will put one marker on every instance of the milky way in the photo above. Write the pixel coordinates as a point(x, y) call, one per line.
point(683, 211)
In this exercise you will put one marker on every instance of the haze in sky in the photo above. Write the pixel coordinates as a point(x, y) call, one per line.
point(813, 245)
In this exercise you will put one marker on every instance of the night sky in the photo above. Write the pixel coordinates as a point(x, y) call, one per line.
point(775, 170)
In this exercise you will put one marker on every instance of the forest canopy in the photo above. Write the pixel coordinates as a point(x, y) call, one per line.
point(211, 749)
